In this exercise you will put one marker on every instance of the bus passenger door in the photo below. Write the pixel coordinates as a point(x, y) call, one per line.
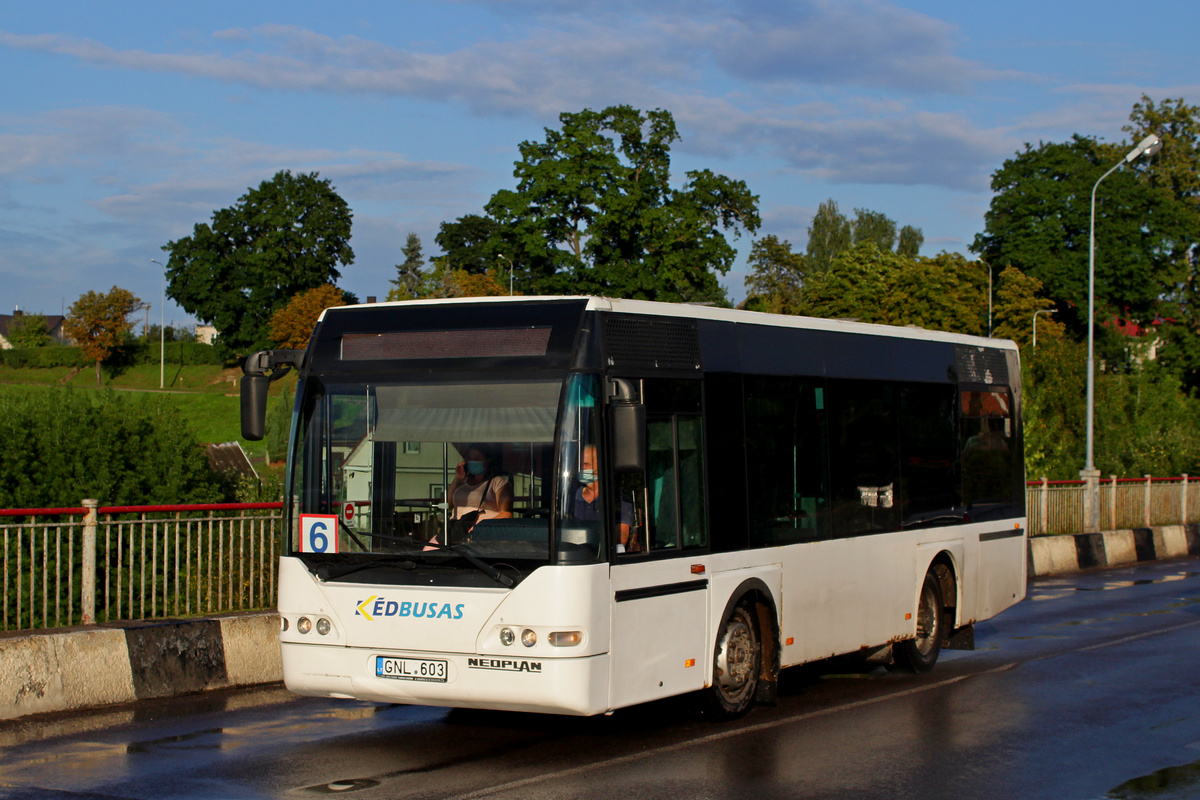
point(660, 595)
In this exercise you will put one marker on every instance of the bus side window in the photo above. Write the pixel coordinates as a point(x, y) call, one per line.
point(987, 453)
point(676, 482)
point(786, 467)
point(668, 499)
point(660, 464)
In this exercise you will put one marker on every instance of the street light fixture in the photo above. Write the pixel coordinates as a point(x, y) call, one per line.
point(1091, 476)
point(1035, 315)
point(162, 329)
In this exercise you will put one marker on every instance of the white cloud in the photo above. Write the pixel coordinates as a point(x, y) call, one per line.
point(798, 52)
point(40, 147)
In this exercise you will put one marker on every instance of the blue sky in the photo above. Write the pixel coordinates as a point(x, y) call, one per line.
point(123, 124)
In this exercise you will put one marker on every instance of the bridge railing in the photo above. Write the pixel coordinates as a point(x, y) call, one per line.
point(90, 564)
point(1055, 507)
point(93, 563)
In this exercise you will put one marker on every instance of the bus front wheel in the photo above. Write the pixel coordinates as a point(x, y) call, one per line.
point(736, 665)
point(921, 653)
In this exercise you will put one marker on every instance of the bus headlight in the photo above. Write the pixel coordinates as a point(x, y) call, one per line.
point(566, 638)
point(323, 626)
point(507, 637)
point(528, 638)
point(304, 624)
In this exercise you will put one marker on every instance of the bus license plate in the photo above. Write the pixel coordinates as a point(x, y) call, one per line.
point(411, 669)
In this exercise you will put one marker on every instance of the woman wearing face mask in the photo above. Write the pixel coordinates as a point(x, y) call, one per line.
point(479, 492)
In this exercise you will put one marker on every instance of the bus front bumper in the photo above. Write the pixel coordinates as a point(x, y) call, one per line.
point(575, 686)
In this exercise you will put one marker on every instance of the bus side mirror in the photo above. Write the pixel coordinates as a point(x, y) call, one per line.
point(629, 437)
point(258, 371)
point(628, 427)
point(254, 406)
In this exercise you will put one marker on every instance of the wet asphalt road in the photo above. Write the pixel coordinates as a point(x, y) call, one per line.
point(1086, 690)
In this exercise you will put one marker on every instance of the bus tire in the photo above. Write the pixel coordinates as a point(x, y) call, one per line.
point(921, 653)
point(737, 662)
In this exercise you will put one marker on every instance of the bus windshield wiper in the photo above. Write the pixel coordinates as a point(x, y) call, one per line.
point(325, 572)
point(478, 563)
point(350, 532)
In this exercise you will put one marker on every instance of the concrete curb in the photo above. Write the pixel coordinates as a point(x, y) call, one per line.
point(91, 667)
point(1057, 555)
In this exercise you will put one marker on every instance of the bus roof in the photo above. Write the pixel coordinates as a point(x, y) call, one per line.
point(702, 312)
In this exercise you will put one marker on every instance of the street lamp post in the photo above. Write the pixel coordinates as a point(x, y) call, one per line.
point(1035, 315)
point(510, 273)
point(1091, 476)
point(989, 267)
point(162, 329)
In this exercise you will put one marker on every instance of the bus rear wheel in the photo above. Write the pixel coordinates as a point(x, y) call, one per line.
point(736, 665)
point(921, 653)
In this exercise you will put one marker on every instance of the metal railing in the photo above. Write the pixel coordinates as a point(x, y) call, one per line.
point(80, 566)
point(1055, 507)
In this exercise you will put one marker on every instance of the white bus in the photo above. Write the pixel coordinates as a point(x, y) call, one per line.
point(576, 504)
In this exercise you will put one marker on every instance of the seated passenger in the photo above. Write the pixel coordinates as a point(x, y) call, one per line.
point(586, 501)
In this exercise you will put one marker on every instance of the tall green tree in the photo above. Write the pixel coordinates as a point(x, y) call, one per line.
point(869, 284)
point(1039, 222)
point(409, 282)
point(289, 234)
point(875, 227)
point(594, 211)
point(911, 239)
point(472, 244)
point(828, 236)
point(776, 277)
point(1173, 173)
point(1174, 168)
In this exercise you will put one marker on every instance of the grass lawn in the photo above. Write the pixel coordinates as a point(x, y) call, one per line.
point(206, 395)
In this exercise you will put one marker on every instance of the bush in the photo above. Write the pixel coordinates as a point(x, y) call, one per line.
point(134, 351)
point(45, 357)
point(190, 353)
point(64, 445)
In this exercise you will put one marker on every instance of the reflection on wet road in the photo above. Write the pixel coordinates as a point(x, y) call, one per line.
point(1086, 690)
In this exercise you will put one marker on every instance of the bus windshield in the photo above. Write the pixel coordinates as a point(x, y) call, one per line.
point(436, 472)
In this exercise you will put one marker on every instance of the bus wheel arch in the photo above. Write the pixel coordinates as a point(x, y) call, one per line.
point(746, 657)
point(937, 603)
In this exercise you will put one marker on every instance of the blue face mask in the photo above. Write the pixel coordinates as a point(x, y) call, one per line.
point(476, 468)
point(587, 476)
